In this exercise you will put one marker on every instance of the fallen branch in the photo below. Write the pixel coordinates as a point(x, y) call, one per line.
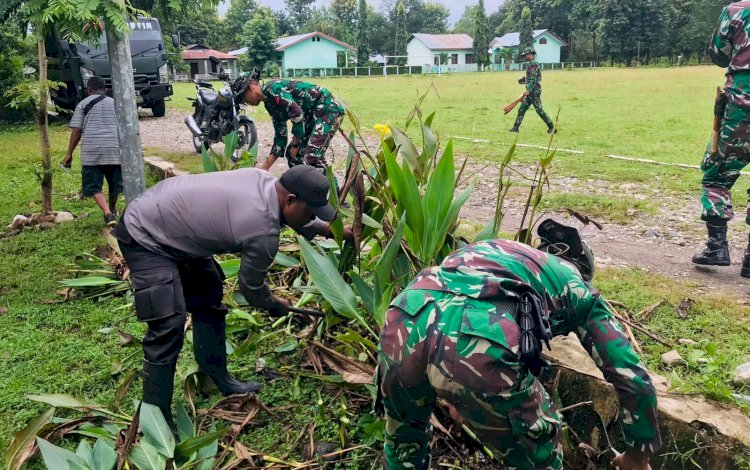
point(577, 405)
point(646, 332)
point(627, 330)
point(648, 312)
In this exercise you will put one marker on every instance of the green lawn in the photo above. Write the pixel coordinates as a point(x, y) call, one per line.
point(660, 114)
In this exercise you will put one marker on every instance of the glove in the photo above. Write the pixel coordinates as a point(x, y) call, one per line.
point(720, 106)
point(280, 308)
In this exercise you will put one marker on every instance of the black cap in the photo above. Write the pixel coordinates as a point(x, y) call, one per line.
point(311, 186)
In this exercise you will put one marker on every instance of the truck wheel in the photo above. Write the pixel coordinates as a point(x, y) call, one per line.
point(159, 108)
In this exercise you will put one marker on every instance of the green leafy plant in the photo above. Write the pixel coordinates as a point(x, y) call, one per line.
point(228, 159)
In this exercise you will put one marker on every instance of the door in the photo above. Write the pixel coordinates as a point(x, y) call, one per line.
point(193, 70)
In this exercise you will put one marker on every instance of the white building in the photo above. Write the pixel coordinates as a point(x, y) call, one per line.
point(447, 52)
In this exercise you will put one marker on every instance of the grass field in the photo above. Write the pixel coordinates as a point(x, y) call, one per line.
point(659, 114)
point(662, 114)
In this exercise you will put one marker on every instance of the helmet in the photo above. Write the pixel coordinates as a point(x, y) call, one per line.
point(565, 242)
point(241, 85)
point(528, 50)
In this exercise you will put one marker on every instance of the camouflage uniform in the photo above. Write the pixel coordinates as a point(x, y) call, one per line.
point(730, 47)
point(452, 334)
point(315, 116)
point(533, 82)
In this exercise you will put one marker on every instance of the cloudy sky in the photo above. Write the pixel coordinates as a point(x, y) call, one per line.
point(456, 7)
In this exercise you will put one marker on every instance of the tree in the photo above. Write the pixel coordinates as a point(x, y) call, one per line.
point(481, 35)
point(200, 26)
point(465, 24)
point(401, 32)
point(299, 12)
point(526, 29)
point(363, 41)
point(16, 51)
point(381, 32)
point(345, 13)
point(238, 14)
point(260, 37)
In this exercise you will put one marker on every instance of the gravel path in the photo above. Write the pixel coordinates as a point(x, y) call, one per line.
point(661, 243)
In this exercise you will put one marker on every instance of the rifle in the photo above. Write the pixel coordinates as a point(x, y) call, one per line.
point(510, 107)
point(719, 106)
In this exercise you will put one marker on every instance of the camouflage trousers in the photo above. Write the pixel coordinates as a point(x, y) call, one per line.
point(320, 129)
point(536, 101)
point(721, 171)
point(435, 354)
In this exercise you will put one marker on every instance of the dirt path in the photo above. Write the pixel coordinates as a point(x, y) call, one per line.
point(661, 243)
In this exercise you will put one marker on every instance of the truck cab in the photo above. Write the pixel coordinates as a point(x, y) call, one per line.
point(74, 63)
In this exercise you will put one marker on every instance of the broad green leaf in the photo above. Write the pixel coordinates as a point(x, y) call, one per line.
point(59, 400)
point(384, 266)
point(238, 314)
point(430, 143)
point(207, 454)
point(489, 232)
point(78, 466)
point(146, 457)
point(208, 163)
point(407, 150)
point(407, 201)
point(189, 446)
point(105, 456)
point(285, 260)
point(183, 422)
point(329, 282)
point(23, 441)
point(365, 293)
point(230, 267)
point(437, 201)
point(57, 457)
point(88, 281)
point(453, 212)
point(85, 452)
point(337, 225)
point(367, 221)
point(156, 430)
point(287, 347)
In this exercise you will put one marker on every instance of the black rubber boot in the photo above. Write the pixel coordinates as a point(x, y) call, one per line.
point(551, 130)
point(209, 342)
point(158, 386)
point(513, 129)
point(746, 263)
point(716, 252)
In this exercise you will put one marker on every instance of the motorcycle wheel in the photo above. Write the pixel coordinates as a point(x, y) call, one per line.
point(198, 143)
point(247, 137)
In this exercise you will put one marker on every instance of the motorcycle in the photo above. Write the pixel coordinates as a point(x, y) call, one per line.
point(219, 114)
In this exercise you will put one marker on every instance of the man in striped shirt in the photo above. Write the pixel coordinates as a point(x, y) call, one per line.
point(94, 120)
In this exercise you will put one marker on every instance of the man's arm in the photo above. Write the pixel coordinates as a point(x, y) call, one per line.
point(258, 254)
point(532, 78)
point(602, 337)
point(279, 143)
point(720, 48)
point(76, 131)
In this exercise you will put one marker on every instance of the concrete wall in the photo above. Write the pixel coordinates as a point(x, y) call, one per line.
point(312, 54)
point(420, 55)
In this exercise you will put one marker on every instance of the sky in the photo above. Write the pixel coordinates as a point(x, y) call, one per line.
point(456, 7)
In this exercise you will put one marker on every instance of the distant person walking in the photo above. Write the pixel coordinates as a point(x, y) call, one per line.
point(94, 121)
point(729, 47)
point(533, 93)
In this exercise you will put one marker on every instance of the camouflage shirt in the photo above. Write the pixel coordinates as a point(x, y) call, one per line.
point(499, 270)
point(533, 78)
point(730, 47)
point(290, 100)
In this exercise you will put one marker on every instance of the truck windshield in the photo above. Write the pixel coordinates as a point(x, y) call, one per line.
point(145, 34)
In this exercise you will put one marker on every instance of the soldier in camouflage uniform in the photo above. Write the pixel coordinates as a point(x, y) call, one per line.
point(453, 334)
point(533, 93)
point(315, 116)
point(729, 47)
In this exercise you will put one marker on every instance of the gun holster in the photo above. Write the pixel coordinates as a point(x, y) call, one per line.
point(535, 329)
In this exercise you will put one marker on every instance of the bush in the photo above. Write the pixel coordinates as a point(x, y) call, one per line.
point(16, 52)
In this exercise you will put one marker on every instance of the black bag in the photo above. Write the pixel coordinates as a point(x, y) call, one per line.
point(91, 104)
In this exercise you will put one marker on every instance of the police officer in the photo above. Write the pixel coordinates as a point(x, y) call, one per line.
point(168, 236)
point(459, 332)
point(533, 93)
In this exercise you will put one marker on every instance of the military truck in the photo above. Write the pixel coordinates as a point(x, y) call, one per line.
point(74, 63)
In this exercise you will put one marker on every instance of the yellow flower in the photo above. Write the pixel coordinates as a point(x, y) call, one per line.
point(383, 129)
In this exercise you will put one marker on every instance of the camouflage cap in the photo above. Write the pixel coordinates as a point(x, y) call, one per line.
point(528, 50)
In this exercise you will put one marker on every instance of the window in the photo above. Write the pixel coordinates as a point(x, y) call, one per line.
point(454, 59)
point(436, 60)
point(470, 59)
point(316, 39)
point(542, 41)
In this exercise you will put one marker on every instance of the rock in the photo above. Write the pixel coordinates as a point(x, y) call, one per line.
point(64, 217)
point(703, 361)
point(672, 358)
point(260, 364)
point(742, 375)
point(650, 234)
point(686, 342)
point(674, 234)
point(19, 221)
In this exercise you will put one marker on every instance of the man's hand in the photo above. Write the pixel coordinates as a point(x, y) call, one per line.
point(280, 308)
point(526, 93)
point(348, 232)
point(267, 163)
point(67, 161)
point(631, 459)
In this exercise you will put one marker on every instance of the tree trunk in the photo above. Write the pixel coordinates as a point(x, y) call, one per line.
point(44, 130)
point(126, 111)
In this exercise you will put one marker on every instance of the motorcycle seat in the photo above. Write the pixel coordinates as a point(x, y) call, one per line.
point(207, 96)
point(203, 83)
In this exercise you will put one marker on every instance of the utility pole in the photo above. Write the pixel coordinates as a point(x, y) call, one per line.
point(126, 111)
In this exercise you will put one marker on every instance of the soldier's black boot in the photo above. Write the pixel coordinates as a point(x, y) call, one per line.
point(158, 386)
point(746, 263)
point(551, 130)
point(209, 341)
point(716, 252)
